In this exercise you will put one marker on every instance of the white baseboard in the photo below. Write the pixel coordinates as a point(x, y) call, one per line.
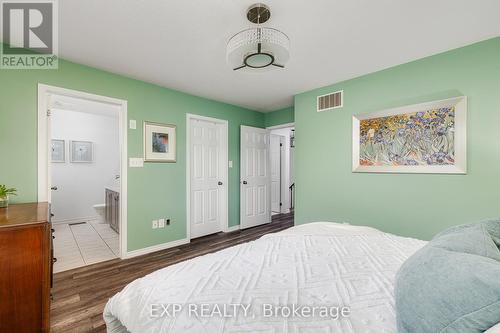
point(155, 248)
point(233, 228)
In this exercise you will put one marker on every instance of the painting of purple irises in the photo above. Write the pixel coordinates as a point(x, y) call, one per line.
point(411, 139)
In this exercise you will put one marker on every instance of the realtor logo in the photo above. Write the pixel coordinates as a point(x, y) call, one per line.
point(29, 32)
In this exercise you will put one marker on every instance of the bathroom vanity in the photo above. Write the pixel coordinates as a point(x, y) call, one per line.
point(112, 209)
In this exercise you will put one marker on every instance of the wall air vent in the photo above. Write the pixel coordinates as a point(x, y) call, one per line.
point(330, 101)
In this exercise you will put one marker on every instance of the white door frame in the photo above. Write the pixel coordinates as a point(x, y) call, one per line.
point(44, 142)
point(280, 126)
point(284, 209)
point(280, 176)
point(225, 168)
point(283, 181)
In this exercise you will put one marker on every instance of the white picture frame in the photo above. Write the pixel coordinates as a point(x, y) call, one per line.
point(159, 142)
point(82, 151)
point(58, 151)
point(459, 165)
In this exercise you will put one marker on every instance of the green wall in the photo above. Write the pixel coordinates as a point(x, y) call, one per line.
point(279, 117)
point(155, 191)
point(417, 205)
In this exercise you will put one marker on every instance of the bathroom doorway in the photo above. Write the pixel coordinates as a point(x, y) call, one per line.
point(282, 147)
point(85, 179)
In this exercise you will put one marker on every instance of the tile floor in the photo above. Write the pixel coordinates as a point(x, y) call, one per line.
point(83, 244)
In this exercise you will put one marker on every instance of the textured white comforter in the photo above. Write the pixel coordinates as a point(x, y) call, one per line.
point(317, 264)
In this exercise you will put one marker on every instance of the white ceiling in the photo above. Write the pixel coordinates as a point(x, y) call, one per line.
point(181, 44)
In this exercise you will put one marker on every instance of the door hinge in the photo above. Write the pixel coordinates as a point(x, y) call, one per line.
point(281, 204)
point(48, 113)
point(281, 145)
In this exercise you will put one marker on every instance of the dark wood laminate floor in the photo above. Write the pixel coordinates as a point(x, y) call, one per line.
point(79, 295)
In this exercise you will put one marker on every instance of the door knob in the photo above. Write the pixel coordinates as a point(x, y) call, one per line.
point(54, 188)
point(245, 182)
point(220, 183)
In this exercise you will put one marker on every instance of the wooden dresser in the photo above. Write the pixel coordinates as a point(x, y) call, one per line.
point(25, 268)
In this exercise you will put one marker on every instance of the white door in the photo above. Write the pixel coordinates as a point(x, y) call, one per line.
point(275, 148)
point(255, 192)
point(207, 182)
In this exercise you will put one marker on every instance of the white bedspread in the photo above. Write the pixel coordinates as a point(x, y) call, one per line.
point(317, 264)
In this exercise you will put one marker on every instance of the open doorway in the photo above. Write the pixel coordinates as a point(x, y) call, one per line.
point(281, 161)
point(82, 165)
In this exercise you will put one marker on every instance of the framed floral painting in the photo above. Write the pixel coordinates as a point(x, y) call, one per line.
point(159, 142)
point(423, 138)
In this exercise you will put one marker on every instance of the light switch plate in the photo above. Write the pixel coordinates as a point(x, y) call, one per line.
point(132, 124)
point(161, 223)
point(136, 162)
point(155, 224)
point(230, 164)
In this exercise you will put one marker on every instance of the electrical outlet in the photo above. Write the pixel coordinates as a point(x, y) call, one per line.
point(136, 162)
point(155, 224)
point(168, 221)
point(161, 223)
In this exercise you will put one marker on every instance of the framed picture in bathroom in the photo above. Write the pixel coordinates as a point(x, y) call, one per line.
point(58, 151)
point(159, 142)
point(82, 152)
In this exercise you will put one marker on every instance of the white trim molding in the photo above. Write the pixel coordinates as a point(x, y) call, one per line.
point(460, 138)
point(155, 248)
point(225, 157)
point(44, 174)
point(287, 125)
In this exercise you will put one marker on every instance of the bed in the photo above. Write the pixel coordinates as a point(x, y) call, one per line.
point(316, 266)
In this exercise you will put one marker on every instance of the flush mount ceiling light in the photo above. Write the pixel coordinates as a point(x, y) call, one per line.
point(258, 48)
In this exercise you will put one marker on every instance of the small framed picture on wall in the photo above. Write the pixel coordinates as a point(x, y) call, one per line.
point(58, 154)
point(159, 142)
point(82, 152)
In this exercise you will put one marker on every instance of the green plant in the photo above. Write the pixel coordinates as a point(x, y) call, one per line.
point(4, 191)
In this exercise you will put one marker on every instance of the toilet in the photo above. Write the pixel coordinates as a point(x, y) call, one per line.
point(100, 210)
